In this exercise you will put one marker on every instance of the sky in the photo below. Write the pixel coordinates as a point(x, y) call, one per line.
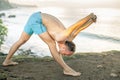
point(82, 3)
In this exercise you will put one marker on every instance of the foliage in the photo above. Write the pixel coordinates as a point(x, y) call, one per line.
point(25, 52)
point(3, 76)
point(3, 32)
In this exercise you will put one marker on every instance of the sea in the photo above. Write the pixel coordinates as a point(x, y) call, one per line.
point(104, 35)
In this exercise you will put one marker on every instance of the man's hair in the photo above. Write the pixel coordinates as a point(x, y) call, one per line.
point(70, 45)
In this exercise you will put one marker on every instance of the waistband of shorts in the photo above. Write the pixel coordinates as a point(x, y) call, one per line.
point(38, 16)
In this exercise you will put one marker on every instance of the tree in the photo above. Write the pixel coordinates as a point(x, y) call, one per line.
point(3, 33)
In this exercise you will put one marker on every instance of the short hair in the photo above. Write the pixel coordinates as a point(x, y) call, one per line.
point(70, 45)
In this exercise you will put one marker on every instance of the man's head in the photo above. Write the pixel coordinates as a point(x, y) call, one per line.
point(67, 48)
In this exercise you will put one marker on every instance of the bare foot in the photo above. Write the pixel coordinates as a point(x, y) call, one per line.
point(9, 63)
point(72, 73)
point(94, 18)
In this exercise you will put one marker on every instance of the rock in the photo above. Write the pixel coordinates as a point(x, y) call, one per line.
point(2, 54)
point(2, 15)
point(11, 16)
point(4, 4)
point(99, 66)
point(113, 75)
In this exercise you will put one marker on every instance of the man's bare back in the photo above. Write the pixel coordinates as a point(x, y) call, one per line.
point(54, 27)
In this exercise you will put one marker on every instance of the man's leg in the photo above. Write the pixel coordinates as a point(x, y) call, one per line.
point(24, 37)
point(78, 24)
point(75, 33)
point(57, 56)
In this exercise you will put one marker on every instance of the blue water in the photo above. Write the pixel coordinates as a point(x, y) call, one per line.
point(100, 36)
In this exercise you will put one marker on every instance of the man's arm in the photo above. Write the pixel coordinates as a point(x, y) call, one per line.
point(60, 61)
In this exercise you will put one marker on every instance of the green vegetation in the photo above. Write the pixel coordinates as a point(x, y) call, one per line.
point(3, 32)
point(3, 76)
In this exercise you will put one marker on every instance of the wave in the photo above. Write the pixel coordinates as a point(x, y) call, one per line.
point(100, 37)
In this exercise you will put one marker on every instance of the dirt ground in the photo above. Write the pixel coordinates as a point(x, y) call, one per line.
point(93, 66)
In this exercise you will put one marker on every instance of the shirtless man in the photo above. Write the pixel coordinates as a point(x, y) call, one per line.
point(51, 30)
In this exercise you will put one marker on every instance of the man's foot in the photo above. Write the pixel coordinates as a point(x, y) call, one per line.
point(72, 73)
point(9, 63)
point(94, 18)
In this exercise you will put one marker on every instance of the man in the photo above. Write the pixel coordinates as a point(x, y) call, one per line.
point(51, 30)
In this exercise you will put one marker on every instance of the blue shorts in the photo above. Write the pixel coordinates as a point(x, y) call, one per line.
point(35, 25)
